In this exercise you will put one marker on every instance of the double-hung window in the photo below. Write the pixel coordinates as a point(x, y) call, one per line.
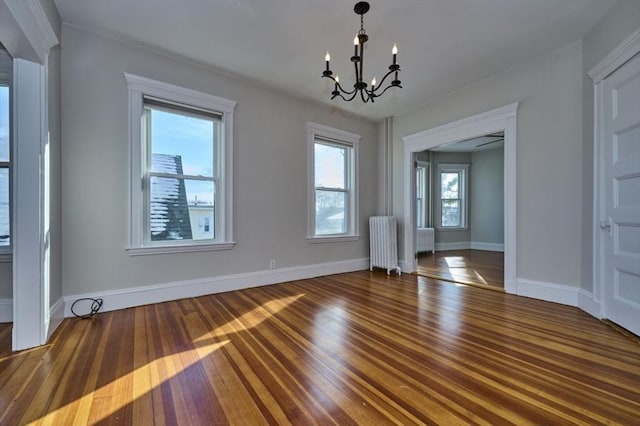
point(181, 146)
point(6, 65)
point(453, 198)
point(333, 186)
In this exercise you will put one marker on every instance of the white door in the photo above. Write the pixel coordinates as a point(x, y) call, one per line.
point(621, 222)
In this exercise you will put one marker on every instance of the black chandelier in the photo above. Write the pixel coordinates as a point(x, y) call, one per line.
point(367, 94)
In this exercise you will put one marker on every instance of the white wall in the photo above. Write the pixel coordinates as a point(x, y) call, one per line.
point(622, 19)
point(270, 171)
point(487, 196)
point(549, 156)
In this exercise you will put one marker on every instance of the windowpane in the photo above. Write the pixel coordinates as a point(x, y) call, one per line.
point(185, 136)
point(180, 208)
point(331, 214)
point(449, 185)
point(4, 124)
point(330, 166)
point(5, 239)
point(451, 215)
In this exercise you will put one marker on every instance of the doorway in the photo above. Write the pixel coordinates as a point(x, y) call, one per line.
point(460, 212)
point(500, 120)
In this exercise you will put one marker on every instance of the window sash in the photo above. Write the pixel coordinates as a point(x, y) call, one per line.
point(447, 203)
point(149, 104)
point(347, 185)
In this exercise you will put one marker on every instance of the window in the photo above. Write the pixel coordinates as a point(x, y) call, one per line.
point(333, 188)
point(453, 195)
point(422, 191)
point(181, 147)
point(5, 151)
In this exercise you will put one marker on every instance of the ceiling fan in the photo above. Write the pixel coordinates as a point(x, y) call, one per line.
point(499, 137)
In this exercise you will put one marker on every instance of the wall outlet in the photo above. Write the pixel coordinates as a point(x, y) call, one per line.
point(273, 264)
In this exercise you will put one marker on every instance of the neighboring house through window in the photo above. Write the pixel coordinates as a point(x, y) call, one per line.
point(181, 149)
point(453, 195)
point(6, 65)
point(333, 185)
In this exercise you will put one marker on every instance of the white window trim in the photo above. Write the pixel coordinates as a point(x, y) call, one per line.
point(426, 193)
point(464, 199)
point(139, 87)
point(345, 138)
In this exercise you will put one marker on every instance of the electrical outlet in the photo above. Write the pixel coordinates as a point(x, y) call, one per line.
point(272, 264)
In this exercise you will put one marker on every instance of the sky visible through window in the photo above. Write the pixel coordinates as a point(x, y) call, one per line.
point(193, 139)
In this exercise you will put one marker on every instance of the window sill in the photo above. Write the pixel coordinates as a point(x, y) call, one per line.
point(452, 229)
point(6, 257)
point(168, 249)
point(332, 239)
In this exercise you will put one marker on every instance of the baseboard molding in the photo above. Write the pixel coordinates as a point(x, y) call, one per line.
point(144, 295)
point(466, 245)
point(587, 302)
point(551, 292)
point(6, 310)
point(462, 245)
point(56, 316)
point(475, 245)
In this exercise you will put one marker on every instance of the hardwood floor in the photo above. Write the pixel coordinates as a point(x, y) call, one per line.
point(472, 267)
point(358, 348)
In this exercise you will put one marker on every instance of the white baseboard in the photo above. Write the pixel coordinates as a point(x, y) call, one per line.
point(6, 310)
point(462, 245)
point(466, 245)
point(551, 292)
point(56, 315)
point(587, 302)
point(144, 295)
point(476, 245)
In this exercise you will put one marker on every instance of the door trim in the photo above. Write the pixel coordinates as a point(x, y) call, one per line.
point(496, 120)
point(627, 50)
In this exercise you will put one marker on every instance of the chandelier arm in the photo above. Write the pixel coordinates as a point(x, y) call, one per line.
point(353, 95)
point(385, 89)
point(345, 91)
point(384, 78)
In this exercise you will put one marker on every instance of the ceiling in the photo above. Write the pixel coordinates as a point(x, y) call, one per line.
point(443, 44)
point(483, 143)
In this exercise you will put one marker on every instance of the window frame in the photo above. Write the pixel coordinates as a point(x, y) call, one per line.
point(424, 165)
point(168, 94)
point(331, 136)
point(6, 80)
point(463, 183)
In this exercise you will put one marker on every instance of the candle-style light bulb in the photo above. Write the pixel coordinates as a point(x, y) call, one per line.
point(327, 58)
point(337, 79)
point(395, 53)
point(355, 46)
point(356, 41)
point(373, 82)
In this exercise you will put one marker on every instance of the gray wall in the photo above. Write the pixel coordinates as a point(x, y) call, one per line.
point(270, 171)
point(549, 156)
point(487, 196)
point(622, 19)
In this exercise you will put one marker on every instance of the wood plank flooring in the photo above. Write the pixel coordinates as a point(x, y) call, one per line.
point(472, 267)
point(359, 348)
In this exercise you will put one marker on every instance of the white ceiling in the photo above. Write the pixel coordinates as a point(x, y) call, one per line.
point(483, 143)
point(443, 44)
